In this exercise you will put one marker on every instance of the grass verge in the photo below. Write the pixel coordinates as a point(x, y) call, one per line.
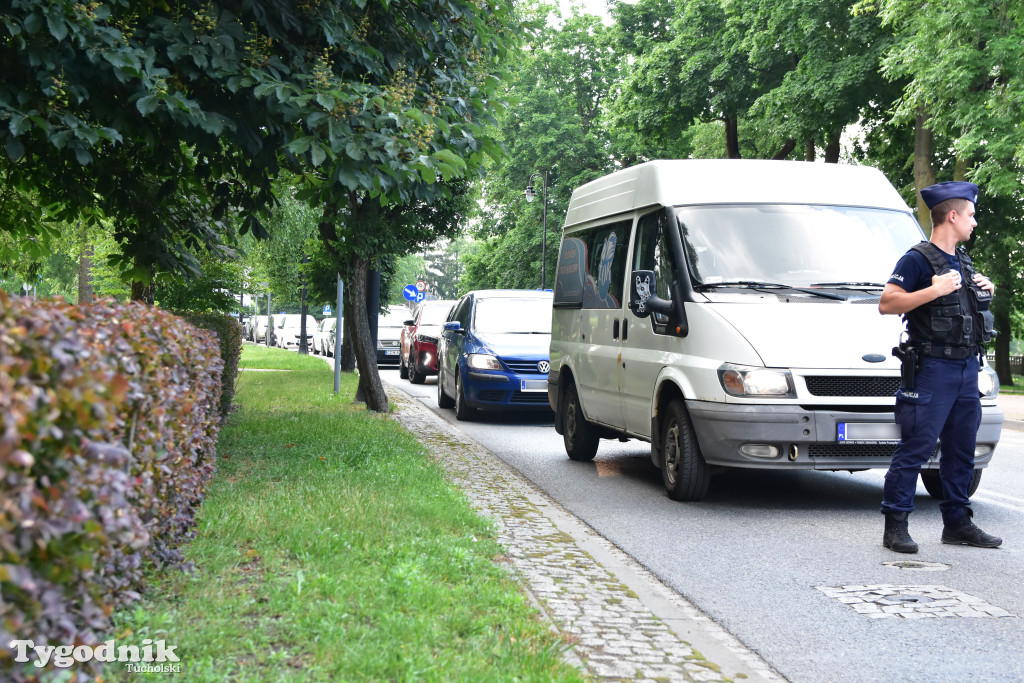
point(330, 548)
point(1016, 389)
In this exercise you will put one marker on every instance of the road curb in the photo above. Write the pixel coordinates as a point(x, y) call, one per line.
point(623, 622)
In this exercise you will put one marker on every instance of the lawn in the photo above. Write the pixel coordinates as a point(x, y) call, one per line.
point(331, 548)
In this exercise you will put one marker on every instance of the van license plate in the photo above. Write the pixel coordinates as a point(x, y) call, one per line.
point(534, 385)
point(391, 352)
point(867, 432)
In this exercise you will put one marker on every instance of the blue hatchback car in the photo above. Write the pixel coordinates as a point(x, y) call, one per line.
point(493, 352)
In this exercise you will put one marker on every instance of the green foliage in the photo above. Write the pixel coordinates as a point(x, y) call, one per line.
point(559, 85)
point(169, 118)
point(229, 338)
point(109, 425)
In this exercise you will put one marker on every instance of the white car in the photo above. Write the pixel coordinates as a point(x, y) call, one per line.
point(389, 336)
point(288, 330)
point(323, 339)
point(258, 329)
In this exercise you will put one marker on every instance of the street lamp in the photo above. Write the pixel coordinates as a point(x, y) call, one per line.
point(530, 194)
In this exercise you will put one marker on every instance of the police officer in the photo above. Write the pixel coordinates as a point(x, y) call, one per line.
point(944, 303)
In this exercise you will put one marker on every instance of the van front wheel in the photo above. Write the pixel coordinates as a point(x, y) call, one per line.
point(683, 469)
point(578, 435)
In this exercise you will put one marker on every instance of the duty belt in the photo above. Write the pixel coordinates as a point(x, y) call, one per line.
point(945, 351)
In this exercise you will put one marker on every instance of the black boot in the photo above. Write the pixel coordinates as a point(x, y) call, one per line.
point(896, 537)
point(963, 531)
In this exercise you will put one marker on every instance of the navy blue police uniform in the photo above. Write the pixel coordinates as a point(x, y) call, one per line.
point(942, 406)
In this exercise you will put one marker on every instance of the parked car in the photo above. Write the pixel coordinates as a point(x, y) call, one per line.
point(331, 343)
point(389, 336)
point(258, 329)
point(287, 330)
point(419, 340)
point(323, 343)
point(494, 352)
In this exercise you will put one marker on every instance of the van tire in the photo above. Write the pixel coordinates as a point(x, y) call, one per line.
point(933, 484)
point(683, 469)
point(578, 435)
point(443, 399)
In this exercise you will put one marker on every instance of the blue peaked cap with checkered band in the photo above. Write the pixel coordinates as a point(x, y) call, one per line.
point(953, 189)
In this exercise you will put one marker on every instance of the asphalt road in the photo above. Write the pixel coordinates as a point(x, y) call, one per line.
point(758, 552)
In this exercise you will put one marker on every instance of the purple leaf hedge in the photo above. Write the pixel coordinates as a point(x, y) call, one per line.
point(109, 415)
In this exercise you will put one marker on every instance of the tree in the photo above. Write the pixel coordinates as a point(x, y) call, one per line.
point(699, 70)
point(964, 67)
point(558, 126)
point(831, 79)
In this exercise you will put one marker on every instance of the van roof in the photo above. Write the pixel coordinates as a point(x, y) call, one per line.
point(731, 181)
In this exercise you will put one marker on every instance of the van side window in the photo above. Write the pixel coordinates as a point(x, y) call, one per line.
point(592, 266)
point(651, 252)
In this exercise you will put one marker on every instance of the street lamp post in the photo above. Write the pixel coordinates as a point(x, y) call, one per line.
point(530, 194)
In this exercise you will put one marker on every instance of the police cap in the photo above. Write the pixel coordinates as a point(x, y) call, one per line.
point(953, 189)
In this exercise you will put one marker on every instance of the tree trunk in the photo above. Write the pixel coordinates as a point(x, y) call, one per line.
point(141, 291)
point(732, 137)
point(809, 150)
point(370, 387)
point(832, 148)
point(85, 291)
point(1001, 313)
point(348, 354)
point(785, 150)
point(961, 168)
point(924, 174)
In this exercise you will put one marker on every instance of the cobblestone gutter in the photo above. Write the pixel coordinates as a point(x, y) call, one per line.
point(622, 623)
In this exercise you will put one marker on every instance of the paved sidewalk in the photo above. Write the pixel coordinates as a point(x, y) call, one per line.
point(623, 624)
point(1013, 408)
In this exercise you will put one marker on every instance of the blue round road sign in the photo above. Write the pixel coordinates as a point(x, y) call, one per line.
point(409, 292)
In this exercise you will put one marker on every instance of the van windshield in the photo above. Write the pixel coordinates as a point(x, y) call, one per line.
point(797, 245)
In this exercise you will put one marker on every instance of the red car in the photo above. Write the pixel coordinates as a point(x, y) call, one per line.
point(419, 340)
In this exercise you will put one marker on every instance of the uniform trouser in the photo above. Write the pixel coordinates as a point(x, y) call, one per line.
point(943, 406)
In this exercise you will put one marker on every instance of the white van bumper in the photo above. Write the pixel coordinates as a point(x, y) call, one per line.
point(791, 436)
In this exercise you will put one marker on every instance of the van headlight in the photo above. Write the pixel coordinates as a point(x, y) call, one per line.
point(988, 382)
point(483, 361)
point(740, 380)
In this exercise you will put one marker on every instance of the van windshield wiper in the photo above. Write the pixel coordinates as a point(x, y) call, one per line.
point(850, 285)
point(757, 284)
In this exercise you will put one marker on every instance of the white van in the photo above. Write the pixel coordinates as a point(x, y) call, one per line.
point(727, 312)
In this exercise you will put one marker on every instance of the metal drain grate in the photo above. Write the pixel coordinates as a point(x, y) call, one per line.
point(882, 601)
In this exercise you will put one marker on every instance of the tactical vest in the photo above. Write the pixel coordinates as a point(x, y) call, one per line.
point(957, 324)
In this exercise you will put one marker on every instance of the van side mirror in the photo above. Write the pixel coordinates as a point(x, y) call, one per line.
point(642, 298)
point(453, 326)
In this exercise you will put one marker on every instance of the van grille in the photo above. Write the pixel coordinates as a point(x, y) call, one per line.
point(852, 386)
point(828, 450)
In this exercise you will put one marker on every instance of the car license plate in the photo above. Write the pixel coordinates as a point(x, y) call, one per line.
point(391, 352)
point(867, 432)
point(534, 385)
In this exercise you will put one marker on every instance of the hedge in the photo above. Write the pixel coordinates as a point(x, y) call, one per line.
point(108, 426)
point(229, 334)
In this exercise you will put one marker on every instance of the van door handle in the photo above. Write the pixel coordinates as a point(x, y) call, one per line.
point(615, 329)
point(625, 329)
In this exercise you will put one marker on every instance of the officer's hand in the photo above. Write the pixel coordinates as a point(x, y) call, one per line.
point(946, 283)
point(984, 283)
